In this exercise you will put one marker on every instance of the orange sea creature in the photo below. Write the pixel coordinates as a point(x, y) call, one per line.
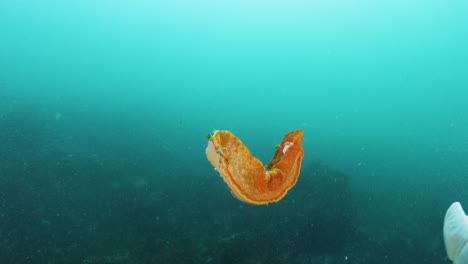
point(248, 179)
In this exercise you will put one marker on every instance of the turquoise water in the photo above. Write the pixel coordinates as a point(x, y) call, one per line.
point(105, 107)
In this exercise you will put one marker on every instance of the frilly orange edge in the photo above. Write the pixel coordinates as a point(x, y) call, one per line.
point(249, 180)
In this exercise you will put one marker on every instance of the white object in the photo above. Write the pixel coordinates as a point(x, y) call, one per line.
point(456, 234)
point(286, 146)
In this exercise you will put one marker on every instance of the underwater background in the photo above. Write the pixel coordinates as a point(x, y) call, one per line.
point(105, 107)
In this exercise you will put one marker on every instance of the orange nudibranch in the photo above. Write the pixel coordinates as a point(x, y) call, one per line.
point(249, 180)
